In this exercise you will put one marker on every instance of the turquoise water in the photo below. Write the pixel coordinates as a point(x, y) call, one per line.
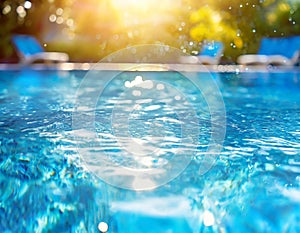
point(253, 185)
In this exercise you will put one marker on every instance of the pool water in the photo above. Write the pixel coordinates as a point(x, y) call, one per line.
point(253, 185)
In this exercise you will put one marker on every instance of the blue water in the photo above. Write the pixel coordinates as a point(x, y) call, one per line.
point(254, 185)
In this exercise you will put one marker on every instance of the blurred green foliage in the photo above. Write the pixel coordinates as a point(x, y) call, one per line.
point(91, 29)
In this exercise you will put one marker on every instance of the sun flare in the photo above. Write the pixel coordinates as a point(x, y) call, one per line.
point(143, 7)
point(145, 12)
point(125, 5)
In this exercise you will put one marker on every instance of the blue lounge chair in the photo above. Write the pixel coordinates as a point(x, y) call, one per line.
point(275, 51)
point(210, 54)
point(29, 50)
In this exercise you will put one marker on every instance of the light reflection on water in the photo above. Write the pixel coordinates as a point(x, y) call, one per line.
point(253, 187)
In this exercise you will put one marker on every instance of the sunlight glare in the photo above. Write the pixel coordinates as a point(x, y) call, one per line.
point(140, 7)
point(143, 18)
point(132, 4)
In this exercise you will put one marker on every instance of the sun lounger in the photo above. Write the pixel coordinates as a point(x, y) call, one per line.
point(209, 55)
point(29, 51)
point(274, 51)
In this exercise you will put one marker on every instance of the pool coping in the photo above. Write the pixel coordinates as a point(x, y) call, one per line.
point(69, 66)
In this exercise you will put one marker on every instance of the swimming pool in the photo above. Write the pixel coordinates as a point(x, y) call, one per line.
point(253, 185)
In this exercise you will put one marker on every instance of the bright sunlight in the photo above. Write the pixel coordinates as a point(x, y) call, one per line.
point(142, 6)
point(139, 11)
point(141, 19)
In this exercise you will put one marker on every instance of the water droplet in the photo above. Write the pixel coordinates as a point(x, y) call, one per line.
point(59, 20)
point(208, 218)
point(177, 97)
point(103, 227)
point(160, 86)
point(136, 93)
point(70, 23)
point(52, 18)
point(20, 9)
point(27, 4)
point(59, 11)
point(6, 9)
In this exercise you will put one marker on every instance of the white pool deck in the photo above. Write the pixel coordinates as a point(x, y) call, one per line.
point(69, 66)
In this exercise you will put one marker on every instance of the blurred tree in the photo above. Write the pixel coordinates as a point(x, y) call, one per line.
point(100, 29)
point(211, 25)
point(22, 16)
point(284, 19)
point(237, 23)
point(241, 24)
point(91, 29)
